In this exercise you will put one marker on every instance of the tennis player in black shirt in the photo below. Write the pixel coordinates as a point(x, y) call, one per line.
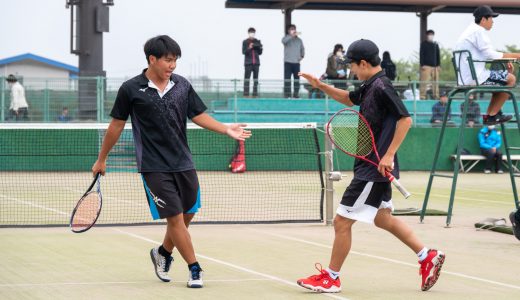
point(159, 103)
point(368, 198)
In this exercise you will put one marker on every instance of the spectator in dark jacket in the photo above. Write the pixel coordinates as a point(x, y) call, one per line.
point(490, 141)
point(388, 65)
point(438, 110)
point(473, 115)
point(252, 49)
point(430, 61)
point(337, 67)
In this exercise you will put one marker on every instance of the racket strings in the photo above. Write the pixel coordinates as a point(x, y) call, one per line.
point(351, 133)
point(86, 212)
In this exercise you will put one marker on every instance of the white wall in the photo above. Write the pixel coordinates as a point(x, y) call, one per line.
point(38, 75)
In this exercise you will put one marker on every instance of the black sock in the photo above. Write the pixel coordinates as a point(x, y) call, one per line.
point(164, 252)
point(195, 264)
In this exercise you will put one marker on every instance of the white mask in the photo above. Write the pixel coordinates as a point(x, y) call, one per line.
point(430, 37)
point(251, 34)
point(339, 54)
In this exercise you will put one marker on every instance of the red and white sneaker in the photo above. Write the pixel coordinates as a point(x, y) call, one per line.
point(431, 268)
point(321, 283)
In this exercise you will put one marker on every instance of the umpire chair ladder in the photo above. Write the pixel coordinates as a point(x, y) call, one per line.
point(467, 90)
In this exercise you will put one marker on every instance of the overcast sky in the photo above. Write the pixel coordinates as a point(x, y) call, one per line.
point(211, 36)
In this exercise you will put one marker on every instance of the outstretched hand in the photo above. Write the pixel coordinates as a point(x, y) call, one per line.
point(313, 80)
point(238, 132)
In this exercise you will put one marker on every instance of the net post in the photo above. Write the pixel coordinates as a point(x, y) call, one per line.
point(329, 184)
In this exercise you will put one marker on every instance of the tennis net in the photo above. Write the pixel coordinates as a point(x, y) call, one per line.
point(45, 168)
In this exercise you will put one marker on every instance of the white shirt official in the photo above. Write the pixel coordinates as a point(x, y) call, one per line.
point(476, 40)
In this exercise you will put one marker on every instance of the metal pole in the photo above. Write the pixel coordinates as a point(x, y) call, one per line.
point(329, 185)
point(235, 102)
point(2, 90)
point(46, 102)
point(287, 19)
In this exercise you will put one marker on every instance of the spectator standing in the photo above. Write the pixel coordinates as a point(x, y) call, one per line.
point(252, 49)
point(473, 115)
point(337, 67)
point(490, 141)
point(430, 61)
point(18, 109)
point(388, 66)
point(294, 52)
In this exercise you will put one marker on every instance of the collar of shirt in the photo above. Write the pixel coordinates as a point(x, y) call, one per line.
point(144, 81)
point(368, 82)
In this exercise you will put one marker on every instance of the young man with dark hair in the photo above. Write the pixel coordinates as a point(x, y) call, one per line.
point(159, 103)
point(368, 198)
point(294, 51)
point(252, 49)
point(476, 40)
point(430, 61)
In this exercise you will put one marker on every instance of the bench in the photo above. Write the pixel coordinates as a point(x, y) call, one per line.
point(468, 161)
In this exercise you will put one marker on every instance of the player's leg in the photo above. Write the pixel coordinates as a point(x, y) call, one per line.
point(431, 260)
point(342, 242)
point(494, 115)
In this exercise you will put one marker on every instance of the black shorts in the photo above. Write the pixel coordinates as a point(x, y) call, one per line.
point(362, 200)
point(170, 194)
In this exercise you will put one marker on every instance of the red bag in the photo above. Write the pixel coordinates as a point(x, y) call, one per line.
point(238, 162)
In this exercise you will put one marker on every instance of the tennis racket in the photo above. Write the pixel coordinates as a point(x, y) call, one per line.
point(87, 210)
point(350, 132)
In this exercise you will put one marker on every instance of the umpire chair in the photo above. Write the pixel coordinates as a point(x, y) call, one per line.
point(467, 90)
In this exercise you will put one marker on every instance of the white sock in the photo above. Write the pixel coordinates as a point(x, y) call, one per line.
point(333, 274)
point(423, 254)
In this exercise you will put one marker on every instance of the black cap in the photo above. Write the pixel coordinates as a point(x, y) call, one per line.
point(444, 93)
point(11, 78)
point(483, 11)
point(362, 50)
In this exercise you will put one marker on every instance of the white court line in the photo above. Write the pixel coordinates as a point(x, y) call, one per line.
point(486, 191)
point(35, 205)
point(243, 269)
point(464, 198)
point(389, 260)
point(9, 285)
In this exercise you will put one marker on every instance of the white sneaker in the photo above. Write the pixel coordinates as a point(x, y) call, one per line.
point(195, 278)
point(486, 171)
point(161, 264)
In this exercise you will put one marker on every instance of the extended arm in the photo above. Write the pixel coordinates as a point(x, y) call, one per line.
point(235, 131)
point(339, 95)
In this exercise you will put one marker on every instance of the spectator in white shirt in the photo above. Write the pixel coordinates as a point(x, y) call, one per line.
point(476, 40)
point(18, 110)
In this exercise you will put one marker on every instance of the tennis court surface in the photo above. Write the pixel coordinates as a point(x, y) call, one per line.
point(263, 261)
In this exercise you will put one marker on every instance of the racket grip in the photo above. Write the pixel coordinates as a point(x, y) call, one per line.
point(398, 186)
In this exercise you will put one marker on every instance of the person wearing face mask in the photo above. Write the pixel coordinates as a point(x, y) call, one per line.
point(294, 52)
point(490, 141)
point(18, 110)
point(337, 67)
point(476, 40)
point(252, 49)
point(430, 61)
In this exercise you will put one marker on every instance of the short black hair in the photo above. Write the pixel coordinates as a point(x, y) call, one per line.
point(374, 61)
point(478, 19)
point(430, 32)
point(160, 46)
point(251, 29)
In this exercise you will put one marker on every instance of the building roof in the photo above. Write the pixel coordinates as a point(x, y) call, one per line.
point(448, 6)
point(47, 61)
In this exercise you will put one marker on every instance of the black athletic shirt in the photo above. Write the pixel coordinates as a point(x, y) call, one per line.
point(159, 124)
point(382, 107)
